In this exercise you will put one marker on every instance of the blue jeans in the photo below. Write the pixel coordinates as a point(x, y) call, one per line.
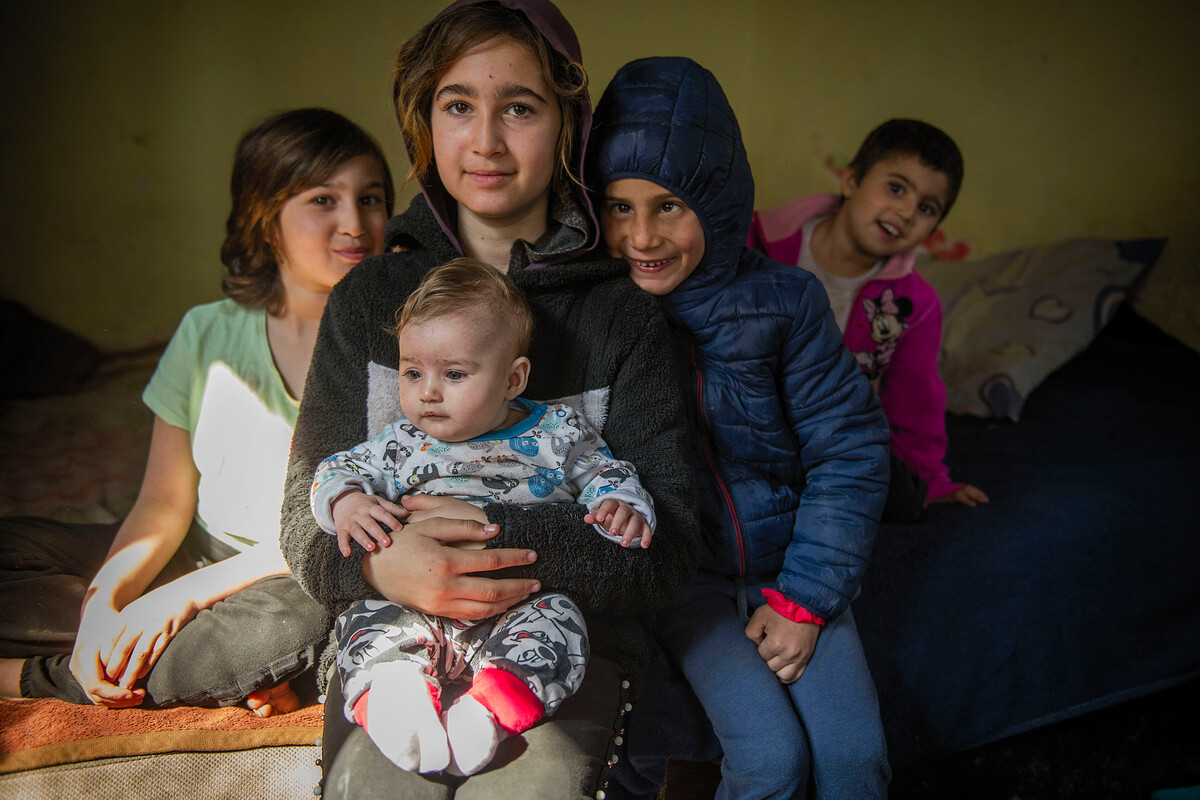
point(822, 731)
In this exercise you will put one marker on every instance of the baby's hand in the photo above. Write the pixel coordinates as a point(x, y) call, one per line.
point(620, 519)
point(966, 495)
point(363, 517)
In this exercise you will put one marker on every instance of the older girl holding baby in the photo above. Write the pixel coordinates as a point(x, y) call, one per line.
point(492, 103)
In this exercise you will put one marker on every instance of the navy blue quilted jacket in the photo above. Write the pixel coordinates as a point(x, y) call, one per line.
point(791, 444)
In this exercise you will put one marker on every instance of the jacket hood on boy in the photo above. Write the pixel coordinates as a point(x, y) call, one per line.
point(790, 444)
point(667, 120)
point(579, 231)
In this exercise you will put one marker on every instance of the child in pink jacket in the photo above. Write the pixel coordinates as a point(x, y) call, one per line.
point(862, 247)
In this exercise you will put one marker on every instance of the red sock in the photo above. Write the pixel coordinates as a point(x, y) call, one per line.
point(360, 709)
point(513, 704)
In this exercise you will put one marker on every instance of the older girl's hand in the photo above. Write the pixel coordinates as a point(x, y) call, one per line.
point(428, 506)
point(149, 625)
point(99, 630)
point(126, 644)
point(429, 567)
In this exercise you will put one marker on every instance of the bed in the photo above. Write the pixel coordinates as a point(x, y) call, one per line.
point(1078, 586)
point(73, 442)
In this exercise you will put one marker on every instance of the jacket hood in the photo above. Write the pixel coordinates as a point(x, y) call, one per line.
point(575, 210)
point(667, 120)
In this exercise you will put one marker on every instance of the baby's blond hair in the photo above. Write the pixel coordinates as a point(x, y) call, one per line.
point(468, 285)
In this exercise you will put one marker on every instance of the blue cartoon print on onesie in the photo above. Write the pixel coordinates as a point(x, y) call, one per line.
point(525, 445)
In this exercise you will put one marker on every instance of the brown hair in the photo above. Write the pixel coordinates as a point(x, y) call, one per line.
point(468, 285)
point(276, 160)
point(429, 53)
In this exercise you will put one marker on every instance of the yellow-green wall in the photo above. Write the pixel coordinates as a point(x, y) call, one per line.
point(118, 122)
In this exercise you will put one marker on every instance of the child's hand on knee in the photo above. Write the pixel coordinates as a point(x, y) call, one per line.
point(366, 519)
point(786, 646)
point(621, 519)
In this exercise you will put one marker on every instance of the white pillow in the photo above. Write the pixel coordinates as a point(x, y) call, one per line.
point(1013, 318)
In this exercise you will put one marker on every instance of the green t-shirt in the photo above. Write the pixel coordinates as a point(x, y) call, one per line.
point(217, 381)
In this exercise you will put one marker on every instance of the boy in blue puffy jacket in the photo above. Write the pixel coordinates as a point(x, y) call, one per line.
point(790, 452)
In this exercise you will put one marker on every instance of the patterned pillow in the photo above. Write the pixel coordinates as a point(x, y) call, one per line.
point(1013, 318)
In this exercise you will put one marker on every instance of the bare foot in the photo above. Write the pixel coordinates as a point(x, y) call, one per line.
point(276, 700)
point(10, 677)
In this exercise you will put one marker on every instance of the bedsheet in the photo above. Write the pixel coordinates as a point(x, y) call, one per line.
point(1078, 586)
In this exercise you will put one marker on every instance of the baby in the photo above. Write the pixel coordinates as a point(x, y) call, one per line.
point(467, 434)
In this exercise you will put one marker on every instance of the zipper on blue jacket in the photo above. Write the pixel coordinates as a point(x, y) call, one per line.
point(702, 421)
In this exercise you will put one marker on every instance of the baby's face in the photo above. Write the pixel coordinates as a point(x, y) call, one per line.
point(457, 377)
point(660, 238)
point(896, 205)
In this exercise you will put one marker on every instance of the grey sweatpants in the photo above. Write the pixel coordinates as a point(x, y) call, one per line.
point(543, 641)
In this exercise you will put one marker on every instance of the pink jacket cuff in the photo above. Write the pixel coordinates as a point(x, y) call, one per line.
point(789, 610)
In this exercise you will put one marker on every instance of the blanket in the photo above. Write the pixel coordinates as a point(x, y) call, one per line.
point(43, 733)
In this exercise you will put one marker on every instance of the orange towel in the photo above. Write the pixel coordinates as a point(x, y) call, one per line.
point(40, 733)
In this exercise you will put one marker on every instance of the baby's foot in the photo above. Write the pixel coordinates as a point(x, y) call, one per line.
point(474, 736)
point(399, 714)
point(281, 699)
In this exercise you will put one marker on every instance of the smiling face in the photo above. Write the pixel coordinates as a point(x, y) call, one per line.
point(325, 230)
point(660, 238)
point(895, 206)
point(495, 124)
point(457, 376)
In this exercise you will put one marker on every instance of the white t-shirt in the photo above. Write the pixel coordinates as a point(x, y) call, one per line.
point(218, 381)
point(842, 291)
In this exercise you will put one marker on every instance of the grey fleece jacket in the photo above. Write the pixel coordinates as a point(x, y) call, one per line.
point(596, 333)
